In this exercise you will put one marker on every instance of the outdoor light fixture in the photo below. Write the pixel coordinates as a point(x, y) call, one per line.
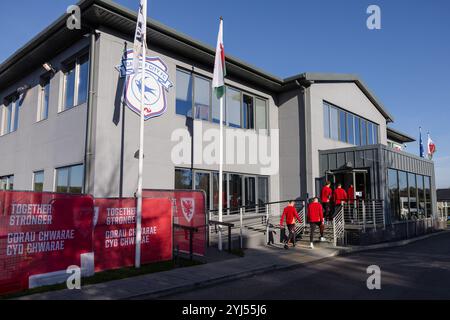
point(21, 90)
point(48, 67)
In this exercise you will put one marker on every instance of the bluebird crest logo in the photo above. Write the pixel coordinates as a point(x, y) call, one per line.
point(156, 85)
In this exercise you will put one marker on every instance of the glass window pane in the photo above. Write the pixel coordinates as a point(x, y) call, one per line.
point(369, 133)
point(8, 116)
point(45, 97)
point(216, 110)
point(16, 108)
point(233, 108)
point(202, 94)
point(350, 129)
point(248, 112)
point(183, 179)
point(263, 190)
point(76, 179)
point(334, 119)
point(403, 189)
point(393, 195)
point(10, 183)
point(375, 134)
point(357, 131)
point(235, 191)
point(184, 94)
point(69, 88)
point(363, 132)
point(250, 192)
point(261, 114)
point(326, 120)
point(421, 196)
point(83, 80)
point(38, 181)
point(427, 182)
point(342, 126)
point(413, 208)
point(62, 180)
point(202, 183)
point(216, 191)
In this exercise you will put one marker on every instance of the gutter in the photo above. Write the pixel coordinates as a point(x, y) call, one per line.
point(88, 153)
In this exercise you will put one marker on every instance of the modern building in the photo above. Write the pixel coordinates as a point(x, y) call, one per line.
point(65, 126)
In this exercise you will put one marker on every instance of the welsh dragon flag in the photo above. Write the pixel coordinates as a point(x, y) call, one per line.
point(220, 70)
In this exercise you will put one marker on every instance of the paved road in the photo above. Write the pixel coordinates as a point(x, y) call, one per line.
point(417, 271)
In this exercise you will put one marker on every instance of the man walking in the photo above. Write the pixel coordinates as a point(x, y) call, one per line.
point(290, 214)
point(315, 218)
point(325, 197)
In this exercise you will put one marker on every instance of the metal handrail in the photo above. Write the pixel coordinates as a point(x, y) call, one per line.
point(262, 205)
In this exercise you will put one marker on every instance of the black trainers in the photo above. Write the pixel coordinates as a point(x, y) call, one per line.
point(286, 246)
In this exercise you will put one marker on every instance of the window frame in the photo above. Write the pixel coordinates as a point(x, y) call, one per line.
point(34, 180)
point(44, 85)
point(69, 168)
point(74, 64)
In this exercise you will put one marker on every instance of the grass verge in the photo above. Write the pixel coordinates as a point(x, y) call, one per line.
point(111, 275)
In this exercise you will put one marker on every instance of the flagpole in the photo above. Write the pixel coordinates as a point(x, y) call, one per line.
point(141, 149)
point(221, 172)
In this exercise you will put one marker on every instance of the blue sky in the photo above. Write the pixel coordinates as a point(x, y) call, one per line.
point(406, 63)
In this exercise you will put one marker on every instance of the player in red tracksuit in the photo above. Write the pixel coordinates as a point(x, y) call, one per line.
point(325, 198)
point(339, 195)
point(351, 194)
point(290, 214)
point(315, 218)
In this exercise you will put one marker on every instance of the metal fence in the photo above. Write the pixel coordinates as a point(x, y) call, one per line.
point(364, 214)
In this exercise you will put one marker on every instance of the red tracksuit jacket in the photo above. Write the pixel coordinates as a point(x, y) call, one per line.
point(339, 196)
point(290, 213)
point(315, 212)
point(326, 194)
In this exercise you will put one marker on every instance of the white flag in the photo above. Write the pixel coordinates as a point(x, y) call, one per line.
point(140, 38)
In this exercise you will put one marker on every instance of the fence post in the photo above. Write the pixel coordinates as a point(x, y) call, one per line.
point(267, 223)
point(304, 216)
point(191, 244)
point(229, 239)
point(240, 227)
point(364, 215)
point(374, 216)
point(384, 217)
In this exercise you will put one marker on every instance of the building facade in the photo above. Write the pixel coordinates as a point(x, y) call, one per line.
point(66, 128)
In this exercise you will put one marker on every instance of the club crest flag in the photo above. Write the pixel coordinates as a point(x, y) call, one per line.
point(188, 208)
point(156, 85)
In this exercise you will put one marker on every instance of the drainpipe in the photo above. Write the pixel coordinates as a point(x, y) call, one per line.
point(88, 153)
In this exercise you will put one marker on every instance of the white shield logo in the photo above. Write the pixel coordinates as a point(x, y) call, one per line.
point(188, 208)
point(155, 85)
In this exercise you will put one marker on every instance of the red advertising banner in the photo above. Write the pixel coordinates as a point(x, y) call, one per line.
point(41, 233)
point(115, 227)
point(188, 210)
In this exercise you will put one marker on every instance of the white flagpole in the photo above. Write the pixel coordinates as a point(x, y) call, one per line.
point(221, 172)
point(141, 153)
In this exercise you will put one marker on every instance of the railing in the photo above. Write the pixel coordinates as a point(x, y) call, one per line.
point(364, 214)
point(255, 218)
point(339, 226)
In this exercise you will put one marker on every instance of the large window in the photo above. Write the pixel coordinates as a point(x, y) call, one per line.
point(238, 189)
point(194, 96)
point(38, 181)
point(409, 195)
point(7, 183)
point(76, 79)
point(10, 117)
point(346, 127)
point(70, 179)
point(44, 98)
